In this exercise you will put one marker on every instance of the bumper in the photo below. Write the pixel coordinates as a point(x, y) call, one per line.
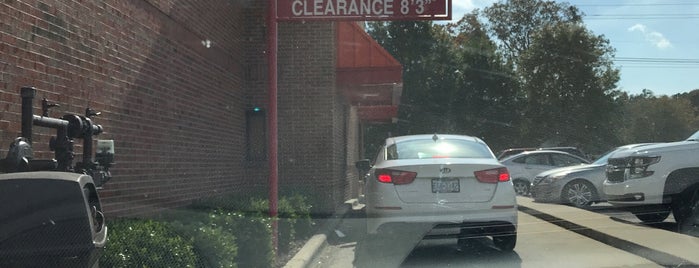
point(646, 191)
point(448, 223)
point(546, 193)
point(463, 230)
point(472, 230)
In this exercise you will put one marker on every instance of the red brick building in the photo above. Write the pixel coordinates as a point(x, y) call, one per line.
point(176, 81)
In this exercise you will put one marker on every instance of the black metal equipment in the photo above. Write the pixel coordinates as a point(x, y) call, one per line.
point(50, 212)
point(69, 127)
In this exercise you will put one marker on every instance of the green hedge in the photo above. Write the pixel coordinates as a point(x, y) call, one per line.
point(227, 231)
point(254, 236)
point(215, 246)
point(294, 218)
point(294, 213)
point(146, 243)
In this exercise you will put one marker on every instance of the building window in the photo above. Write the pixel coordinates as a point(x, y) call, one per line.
point(256, 135)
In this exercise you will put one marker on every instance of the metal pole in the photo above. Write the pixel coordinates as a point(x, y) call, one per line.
point(28, 94)
point(272, 120)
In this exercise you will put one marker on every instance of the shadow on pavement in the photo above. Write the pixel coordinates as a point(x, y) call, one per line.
point(478, 252)
point(408, 251)
point(667, 226)
point(613, 212)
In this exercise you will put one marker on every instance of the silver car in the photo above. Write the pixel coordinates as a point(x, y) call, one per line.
point(579, 186)
point(525, 166)
point(451, 184)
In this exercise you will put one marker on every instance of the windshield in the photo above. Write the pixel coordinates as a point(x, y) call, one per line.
point(694, 137)
point(442, 148)
point(255, 133)
point(602, 160)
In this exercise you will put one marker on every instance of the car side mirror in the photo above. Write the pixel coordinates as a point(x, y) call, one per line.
point(363, 167)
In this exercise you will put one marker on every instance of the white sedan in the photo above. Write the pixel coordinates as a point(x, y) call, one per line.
point(450, 185)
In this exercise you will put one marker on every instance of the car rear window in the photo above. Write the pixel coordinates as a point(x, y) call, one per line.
point(444, 148)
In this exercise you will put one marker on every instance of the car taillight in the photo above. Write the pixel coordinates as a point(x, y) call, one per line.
point(493, 175)
point(395, 176)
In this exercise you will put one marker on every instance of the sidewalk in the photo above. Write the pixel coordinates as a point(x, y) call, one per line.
point(663, 247)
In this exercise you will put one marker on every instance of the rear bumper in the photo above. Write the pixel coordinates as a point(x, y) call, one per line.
point(444, 223)
point(461, 230)
point(472, 229)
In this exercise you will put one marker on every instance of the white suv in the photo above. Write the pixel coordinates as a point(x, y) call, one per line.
point(439, 187)
point(652, 181)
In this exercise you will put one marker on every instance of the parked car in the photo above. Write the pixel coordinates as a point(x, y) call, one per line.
point(654, 181)
point(451, 183)
point(579, 186)
point(513, 151)
point(568, 149)
point(525, 166)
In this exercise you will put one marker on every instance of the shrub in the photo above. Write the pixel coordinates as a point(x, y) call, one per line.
point(302, 210)
point(215, 246)
point(253, 236)
point(251, 227)
point(146, 243)
point(294, 218)
point(237, 202)
point(286, 221)
point(247, 217)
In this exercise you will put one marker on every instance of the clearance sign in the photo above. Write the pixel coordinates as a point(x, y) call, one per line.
point(364, 10)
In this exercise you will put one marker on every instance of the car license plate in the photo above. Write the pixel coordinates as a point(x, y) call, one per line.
point(450, 185)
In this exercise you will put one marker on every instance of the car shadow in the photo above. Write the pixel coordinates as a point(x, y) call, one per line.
point(667, 226)
point(478, 252)
point(610, 210)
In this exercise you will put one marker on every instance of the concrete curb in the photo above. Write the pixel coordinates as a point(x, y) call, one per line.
point(308, 252)
point(319, 241)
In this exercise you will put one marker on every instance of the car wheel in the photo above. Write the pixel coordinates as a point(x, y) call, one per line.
point(521, 187)
point(579, 193)
point(687, 213)
point(505, 242)
point(652, 217)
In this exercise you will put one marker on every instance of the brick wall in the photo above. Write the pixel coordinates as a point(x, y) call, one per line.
point(311, 114)
point(174, 107)
point(311, 128)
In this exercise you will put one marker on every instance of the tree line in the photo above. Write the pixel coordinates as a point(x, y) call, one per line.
point(522, 73)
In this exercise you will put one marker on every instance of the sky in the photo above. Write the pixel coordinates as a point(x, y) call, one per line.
point(656, 41)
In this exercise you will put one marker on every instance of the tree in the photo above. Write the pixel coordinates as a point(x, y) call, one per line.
point(514, 22)
point(530, 73)
point(487, 88)
point(424, 50)
point(693, 97)
point(569, 82)
point(648, 118)
point(455, 81)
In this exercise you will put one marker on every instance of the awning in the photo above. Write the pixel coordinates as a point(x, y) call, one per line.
point(369, 77)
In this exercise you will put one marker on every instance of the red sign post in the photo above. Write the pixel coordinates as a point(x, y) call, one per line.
point(364, 10)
